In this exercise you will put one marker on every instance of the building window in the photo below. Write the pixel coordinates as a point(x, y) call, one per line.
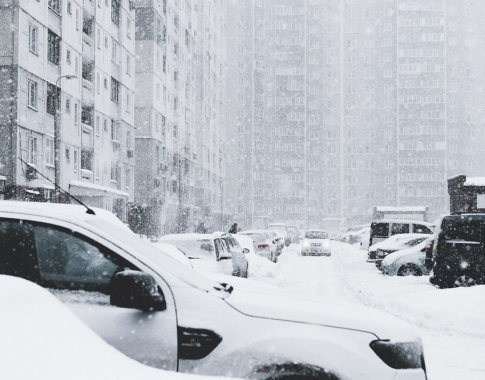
point(114, 51)
point(75, 160)
point(128, 103)
point(52, 95)
point(69, 8)
point(97, 125)
point(75, 113)
point(128, 65)
point(53, 47)
point(68, 56)
point(55, 5)
point(49, 152)
point(105, 83)
point(33, 36)
point(115, 131)
point(68, 155)
point(128, 27)
point(32, 150)
point(77, 19)
point(68, 105)
point(32, 94)
point(115, 90)
point(115, 12)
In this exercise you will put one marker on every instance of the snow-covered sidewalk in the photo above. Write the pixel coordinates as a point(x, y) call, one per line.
point(451, 322)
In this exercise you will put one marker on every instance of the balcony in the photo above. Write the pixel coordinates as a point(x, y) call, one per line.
point(88, 92)
point(88, 48)
point(89, 8)
point(86, 136)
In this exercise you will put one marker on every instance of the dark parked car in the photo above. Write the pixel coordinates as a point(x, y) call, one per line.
point(459, 251)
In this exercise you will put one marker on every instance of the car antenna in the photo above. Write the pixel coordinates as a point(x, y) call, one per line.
point(89, 211)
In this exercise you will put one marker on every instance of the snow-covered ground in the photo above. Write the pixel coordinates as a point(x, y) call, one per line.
point(451, 322)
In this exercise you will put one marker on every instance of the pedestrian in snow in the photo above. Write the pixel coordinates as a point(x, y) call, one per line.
point(201, 228)
point(234, 229)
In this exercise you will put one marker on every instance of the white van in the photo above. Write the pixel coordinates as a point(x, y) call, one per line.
point(380, 230)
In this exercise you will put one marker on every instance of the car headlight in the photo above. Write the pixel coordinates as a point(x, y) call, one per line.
point(306, 243)
point(399, 355)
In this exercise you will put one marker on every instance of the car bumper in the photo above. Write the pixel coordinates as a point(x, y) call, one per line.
point(265, 254)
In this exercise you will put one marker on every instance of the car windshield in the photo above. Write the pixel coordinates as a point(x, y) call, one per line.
point(316, 235)
point(277, 227)
point(193, 248)
point(147, 253)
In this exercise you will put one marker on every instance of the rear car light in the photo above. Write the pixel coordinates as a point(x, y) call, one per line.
point(399, 355)
point(428, 260)
point(263, 246)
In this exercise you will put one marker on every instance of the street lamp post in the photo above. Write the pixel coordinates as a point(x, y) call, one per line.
point(57, 132)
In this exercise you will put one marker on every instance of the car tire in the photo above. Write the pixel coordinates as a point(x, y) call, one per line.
point(465, 280)
point(409, 270)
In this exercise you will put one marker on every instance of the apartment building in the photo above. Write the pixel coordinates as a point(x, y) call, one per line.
point(180, 104)
point(392, 105)
point(67, 107)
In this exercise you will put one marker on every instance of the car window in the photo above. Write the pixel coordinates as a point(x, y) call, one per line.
point(461, 230)
point(69, 261)
point(231, 243)
point(380, 229)
point(17, 253)
point(420, 229)
point(399, 228)
point(316, 235)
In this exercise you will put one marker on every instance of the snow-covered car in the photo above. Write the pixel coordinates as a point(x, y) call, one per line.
point(379, 251)
point(211, 252)
point(54, 344)
point(282, 230)
point(353, 235)
point(277, 240)
point(264, 244)
point(174, 252)
point(407, 262)
point(294, 233)
point(316, 243)
point(167, 315)
point(381, 230)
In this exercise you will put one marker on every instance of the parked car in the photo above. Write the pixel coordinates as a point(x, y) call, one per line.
point(293, 233)
point(167, 315)
point(353, 235)
point(382, 229)
point(264, 244)
point(316, 243)
point(54, 344)
point(378, 251)
point(211, 252)
point(282, 230)
point(175, 252)
point(459, 251)
point(408, 261)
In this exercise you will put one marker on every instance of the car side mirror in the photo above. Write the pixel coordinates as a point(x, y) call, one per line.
point(245, 250)
point(136, 290)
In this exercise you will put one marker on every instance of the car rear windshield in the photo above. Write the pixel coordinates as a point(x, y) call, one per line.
point(463, 229)
point(316, 235)
point(192, 247)
point(256, 237)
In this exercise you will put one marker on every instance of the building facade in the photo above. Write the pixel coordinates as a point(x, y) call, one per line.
point(180, 116)
point(67, 77)
point(382, 98)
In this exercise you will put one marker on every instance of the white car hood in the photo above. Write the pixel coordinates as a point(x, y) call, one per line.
point(284, 305)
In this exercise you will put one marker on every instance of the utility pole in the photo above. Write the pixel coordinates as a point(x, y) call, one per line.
point(57, 133)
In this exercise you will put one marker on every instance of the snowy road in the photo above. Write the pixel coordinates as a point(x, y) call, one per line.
point(451, 322)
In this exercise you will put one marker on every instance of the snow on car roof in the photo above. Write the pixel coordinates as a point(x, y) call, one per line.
point(402, 221)
point(401, 209)
point(188, 237)
point(107, 226)
point(475, 181)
